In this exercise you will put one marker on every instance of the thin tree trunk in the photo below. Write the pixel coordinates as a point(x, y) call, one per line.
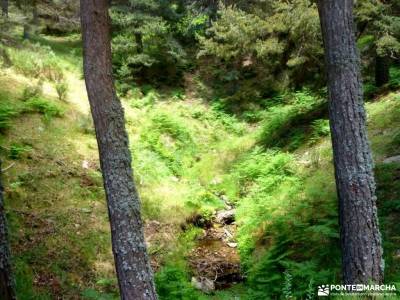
point(26, 33)
point(360, 238)
point(134, 273)
point(381, 71)
point(7, 287)
point(4, 7)
point(139, 42)
point(35, 13)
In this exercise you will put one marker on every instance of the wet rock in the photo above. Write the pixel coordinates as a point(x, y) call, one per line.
point(226, 216)
point(203, 284)
point(85, 164)
point(232, 245)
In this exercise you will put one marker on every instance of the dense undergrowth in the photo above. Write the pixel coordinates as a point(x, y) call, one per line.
point(191, 157)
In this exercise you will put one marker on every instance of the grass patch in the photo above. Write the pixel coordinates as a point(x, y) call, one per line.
point(45, 107)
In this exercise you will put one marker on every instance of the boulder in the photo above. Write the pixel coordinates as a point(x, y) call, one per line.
point(226, 216)
point(393, 159)
point(203, 284)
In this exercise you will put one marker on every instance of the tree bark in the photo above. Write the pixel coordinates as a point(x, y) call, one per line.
point(35, 13)
point(26, 33)
point(4, 7)
point(360, 238)
point(134, 273)
point(382, 76)
point(7, 287)
point(139, 42)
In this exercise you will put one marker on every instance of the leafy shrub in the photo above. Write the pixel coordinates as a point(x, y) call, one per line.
point(147, 100)
point(62, 89)
point(17, 150)
point(230, 122)
point(45, 107)
point(178, 95)
point(320, 128)
point(32, 91)
point(5, 58)
point(37, 61)
point(370, 90)
point(85, 123)
point(7, 113)
point(193, 25)
point(168, 137)
point(302, 107)
point(388, 193)
point(173, 283)
point(253, 55)
point(92, 294)
point(394, 77)
point(153, 54)
point(205, 204)
point(287, 222)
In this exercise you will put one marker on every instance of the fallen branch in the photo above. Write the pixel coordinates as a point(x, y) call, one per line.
point(9, 167)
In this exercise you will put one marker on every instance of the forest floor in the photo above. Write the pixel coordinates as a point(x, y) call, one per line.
point(184, 153)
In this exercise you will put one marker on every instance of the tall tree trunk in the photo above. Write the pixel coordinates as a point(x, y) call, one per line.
point(4, 7)
point(7, 288)
point(382, 76)
point(134, 273)
point(360, 238)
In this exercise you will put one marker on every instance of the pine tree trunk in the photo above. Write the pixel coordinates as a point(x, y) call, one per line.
point(360, 238)
point(134, 273)
point(4, 7)
point(381, 71)
point(35, 13)
point(139, 42)
point(7, 288)
point(26, 33)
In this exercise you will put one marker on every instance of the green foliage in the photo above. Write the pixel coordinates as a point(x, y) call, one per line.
point(193, 24)
point(168, 138)
point(45, 107)
point(264, 48)
point(320, 128)
point(32, 91)
point(206, 204)
point(234, 36)
point(287, 288)
point(297, 109)
point(173, 283)
point(92, 294)
point(85, 124)
point(191, 157)
point(62, 89)
point(144, 45)
point(37, 61)
point(287, 221)
point(379, 25)
point(24, 282)
point(17, 150)
point(394, 77)
point(227, 120)
point(148, 99)
point(388, 192)
point(7, 113)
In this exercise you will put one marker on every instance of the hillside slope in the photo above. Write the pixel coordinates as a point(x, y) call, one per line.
point(191, 159)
